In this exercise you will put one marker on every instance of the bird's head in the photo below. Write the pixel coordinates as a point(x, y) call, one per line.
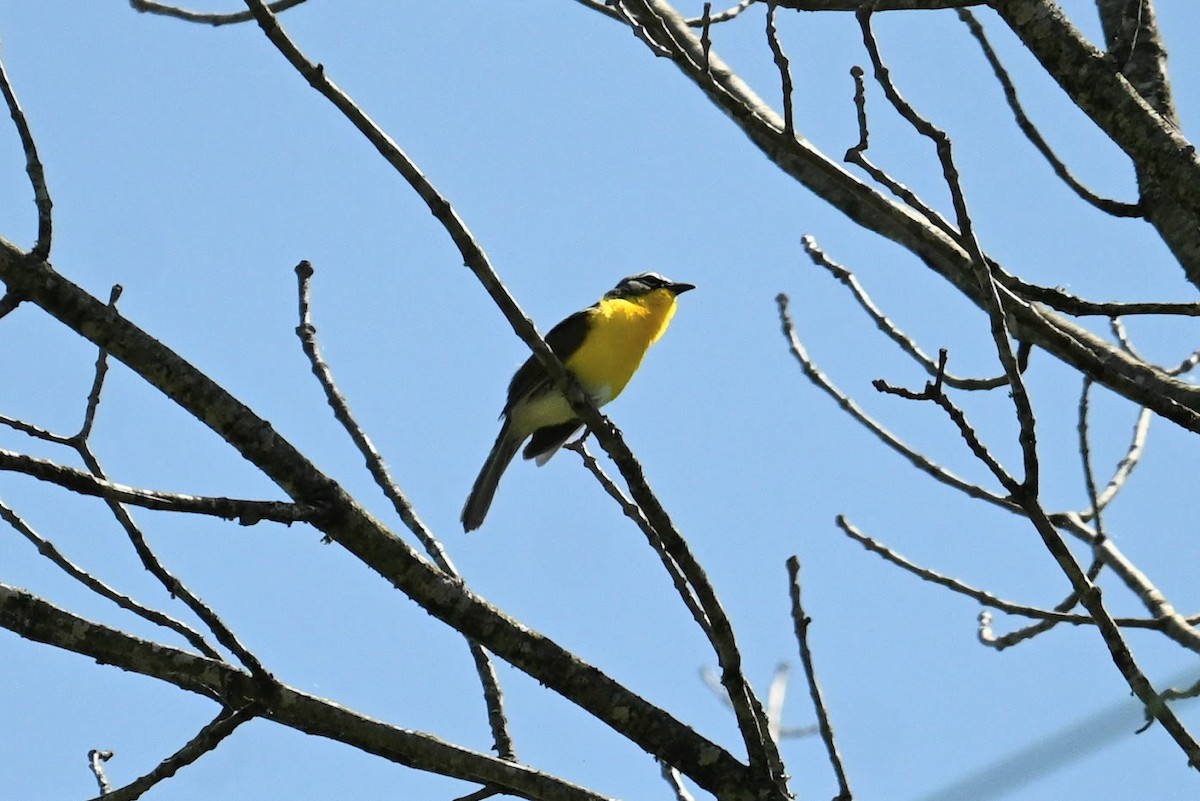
point(643, 284)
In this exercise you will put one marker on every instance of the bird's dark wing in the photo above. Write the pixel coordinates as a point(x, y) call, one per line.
point(564, 339)
point(545, 442)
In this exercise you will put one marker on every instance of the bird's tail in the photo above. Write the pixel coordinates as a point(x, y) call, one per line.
point(480, 499)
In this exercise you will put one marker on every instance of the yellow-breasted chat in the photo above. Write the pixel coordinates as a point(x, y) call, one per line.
point(602, 346)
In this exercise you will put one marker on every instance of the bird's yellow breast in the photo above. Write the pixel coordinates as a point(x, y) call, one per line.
point(620, 332)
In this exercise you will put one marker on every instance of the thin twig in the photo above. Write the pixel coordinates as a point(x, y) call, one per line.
point(37, 432)
point(206, 740)
point(307, 332)
point(991, 299)
point(602, 7)
point(216, 20)
point(1133, 455)
point(1117, 325)
point(33, 167)
point(988, 637)
point(1173, 694)
point(785, 72)
point(974, 593)
point(721, 16)
point(858, 155)
point(639, 30)
point(634, 513)
point(1113, 207)
point(884, 324)
point(101, 370)
point(47, 549)
point(35, 619)
point(170, 582)
point(882, 5)
point(847, 404)
point(481, 794)
point(1178, 627)
point(675, 781)
point(96, 760)
point(1085, 455)
point(933, 392)
point(801, 622)
point(706, 35)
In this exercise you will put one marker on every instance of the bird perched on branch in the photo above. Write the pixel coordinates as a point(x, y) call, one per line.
point(602, 347)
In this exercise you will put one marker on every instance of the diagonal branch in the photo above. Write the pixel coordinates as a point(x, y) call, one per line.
point(847, 404)
point(1113, 207)
point(800, 622)
point(40, 621)
point(307, 332)
point(842, 274)
point(206, 740)
point(47, 549)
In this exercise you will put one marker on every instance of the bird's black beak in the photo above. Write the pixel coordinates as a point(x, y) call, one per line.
point(679, 289)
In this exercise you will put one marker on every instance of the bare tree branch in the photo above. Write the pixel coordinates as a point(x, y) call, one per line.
point(801, 622)
point(675, 781)
point(350, 525)
point(40, 621)
point(247, 513)
point(979, 262)
point(1061, 300)
point(721, 16)
point(98, 376)
point(1085, 454)
point(847, 404)
point(96, 760)
point(47, 549)
point(976, 594)
point(785, 71)
point(881, 5)
point(307, 332)
point(33, 167)
point(1135, 46)
point(9, 302)
point(1113, 207)
point(216, 20)
point(634, 513)
point(842, 274)
point(858, 155)
point(933, 392)
point(206, 740)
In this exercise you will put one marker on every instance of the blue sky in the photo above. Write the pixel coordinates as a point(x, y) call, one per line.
point(195, 168)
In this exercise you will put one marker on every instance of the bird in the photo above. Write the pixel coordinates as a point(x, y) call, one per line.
point(602, 346)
